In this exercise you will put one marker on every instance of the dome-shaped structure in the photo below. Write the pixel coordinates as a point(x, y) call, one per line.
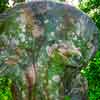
point(43, 46)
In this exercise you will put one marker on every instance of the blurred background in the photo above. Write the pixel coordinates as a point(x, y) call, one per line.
point(91, 72)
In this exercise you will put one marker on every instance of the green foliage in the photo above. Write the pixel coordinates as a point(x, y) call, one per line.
point(3, 5)
point(5, 93)
point(92, 8)
point(92, 72)
point(67, 98)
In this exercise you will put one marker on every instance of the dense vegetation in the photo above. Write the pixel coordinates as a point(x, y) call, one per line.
point(92, 72)
point(3, 5)
point(5, 83)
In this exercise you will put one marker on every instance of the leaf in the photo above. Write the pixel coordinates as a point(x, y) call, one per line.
point(67, 98)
